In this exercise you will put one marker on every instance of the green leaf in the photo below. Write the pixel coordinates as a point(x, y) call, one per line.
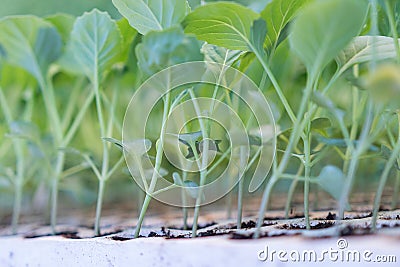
point(194, 3)
point(321, 123)
point(322, 29)
point(63, 23)
point(383, 23)
point(150, 15)
point(324, 102)
point(364, 49)
point(128, 35)
point(138, 147)
point(223, 24)
point(114, 141)
point(342, 143)
point(177, 179)
point(220, 55)
point(278, 14)
point(95, 44)
point(25, 130)
point(30, 43)
point(159, 50)
point(258, 33)
point(332, 180)
point(189, 138)
point(192, 189)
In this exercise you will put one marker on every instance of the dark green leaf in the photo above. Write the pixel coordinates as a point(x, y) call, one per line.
point(258, 33)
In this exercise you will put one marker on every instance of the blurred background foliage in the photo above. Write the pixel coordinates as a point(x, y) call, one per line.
point(49, 7)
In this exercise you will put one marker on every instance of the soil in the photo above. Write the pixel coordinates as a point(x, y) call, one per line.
point(163, 241)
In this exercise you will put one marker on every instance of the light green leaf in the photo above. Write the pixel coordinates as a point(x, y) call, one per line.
point(30, 43)
point(137, 147)
point(150, 15)
point(366, 48)
point(278, 14)
point(114, 141)
point(177, 179)
point(220, 55)
point(322, 29)
point(332, 180)
point(223, 24)
point(128, 35)
point(95, 44)
point(159, 50)
point(63, 23)
point(25, 130)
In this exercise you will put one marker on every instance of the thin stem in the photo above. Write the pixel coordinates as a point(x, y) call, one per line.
point(100, 195)
point(20, 163)
point(261, 57)
point(294, 137)
point(395, 196)
point(307, 171)
point(184, 208)
point(203, 169)
point(157, 165)
point(390, 14)
point(78, 120)
point(354, 124)
point(54, 191)
point(382, 182)
point(74, 170)
point(361, 147)
point(240, 188)
point(105, 160)
point(16, 208)
point(69, 111)
point(292, 189)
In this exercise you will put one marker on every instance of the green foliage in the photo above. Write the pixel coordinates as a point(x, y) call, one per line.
point(364, 49)
point(150, 15)
point(95, 44)
point(332, 180)
point(278, 14)
point(324, 28)
point(161, 49)
point(223, 24)
point(30, 43)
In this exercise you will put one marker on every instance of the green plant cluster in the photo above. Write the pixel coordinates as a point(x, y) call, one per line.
point(329, 68)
